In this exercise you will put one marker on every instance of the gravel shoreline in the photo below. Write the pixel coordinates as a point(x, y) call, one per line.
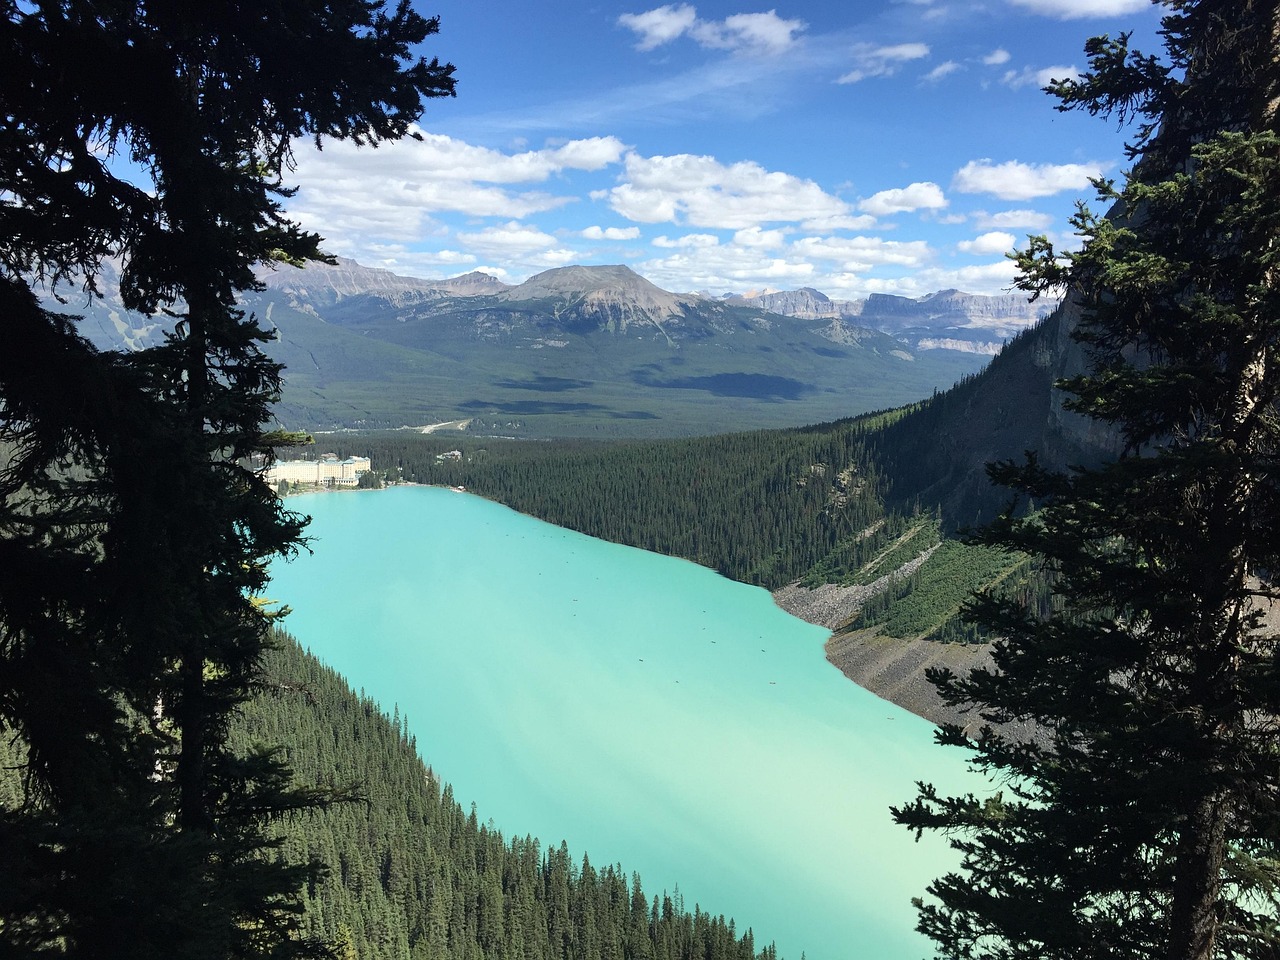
point(893, 670)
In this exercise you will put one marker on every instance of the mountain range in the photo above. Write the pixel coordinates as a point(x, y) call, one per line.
point(590, 350)
point(946, 320)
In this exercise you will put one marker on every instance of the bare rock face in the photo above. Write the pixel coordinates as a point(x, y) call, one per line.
point(1065, 359)
point(614, 297)
point(323, 282)
point(473, 284)
point(946, 320)
point(805, 303)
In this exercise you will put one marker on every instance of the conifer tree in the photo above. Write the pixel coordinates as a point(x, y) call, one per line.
point(134, 528)
point(1141, 817)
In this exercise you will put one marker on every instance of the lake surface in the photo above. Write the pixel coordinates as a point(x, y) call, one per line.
point(644, 709)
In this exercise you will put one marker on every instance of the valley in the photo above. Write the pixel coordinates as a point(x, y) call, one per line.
point(844, 521)
point(589, 351)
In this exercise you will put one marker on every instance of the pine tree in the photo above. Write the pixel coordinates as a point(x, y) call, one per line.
point(134, 527)
point(1141, 819)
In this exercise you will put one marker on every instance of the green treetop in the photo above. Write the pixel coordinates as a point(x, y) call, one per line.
point(134, 534)
point(1141, 818)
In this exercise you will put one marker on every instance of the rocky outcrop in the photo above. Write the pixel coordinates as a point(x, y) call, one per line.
point(805, 303)
point(612, 297)
point(328, 283)
point(473, 284)
point(892, 669)
point(946, 320)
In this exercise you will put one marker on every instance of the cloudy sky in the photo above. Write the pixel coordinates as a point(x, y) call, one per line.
point(896, 146)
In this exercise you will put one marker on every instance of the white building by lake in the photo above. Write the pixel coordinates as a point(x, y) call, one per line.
point(327, 471)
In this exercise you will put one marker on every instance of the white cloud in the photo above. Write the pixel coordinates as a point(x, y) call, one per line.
point(661, 25)
point(838, 222)
point(941, 70)
point(839, 266)
point(757, 239)
point(917, 196)
point(611, 233)
point(439, 158)
point(988, 244)
point(1038, 77)
point(726, 268)
point(391, 192)
point(431, 264)
point(1013, 180)
point(755, 258)
point(870, 61)
point(702, 192)
point(857, 254)
point(1079, 9)
point(687, 241)
point(519, 242)
point(758, 32)
point(1013, 219)
point(755, 32)
point(509, 236)
point(445, 257)
point(590, 154)
point(996, 57)
point(989, 279)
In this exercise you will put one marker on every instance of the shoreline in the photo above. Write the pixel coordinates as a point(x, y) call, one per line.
point(892, 669)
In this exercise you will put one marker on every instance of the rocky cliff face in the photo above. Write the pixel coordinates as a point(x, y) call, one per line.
point(473, 284)
point(329, 283)
point(613, 298)
point(805, 303)
point(946, 320)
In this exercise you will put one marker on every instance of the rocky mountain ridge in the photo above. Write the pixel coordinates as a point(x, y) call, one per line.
point(620, 298)
point(579, 350)
point(944, 320)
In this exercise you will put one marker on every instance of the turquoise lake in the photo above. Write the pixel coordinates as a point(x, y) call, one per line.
point(644, 709)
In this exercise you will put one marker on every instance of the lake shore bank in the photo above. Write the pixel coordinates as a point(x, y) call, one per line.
point(892, 669)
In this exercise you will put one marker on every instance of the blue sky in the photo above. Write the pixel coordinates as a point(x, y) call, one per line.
point(891, 146)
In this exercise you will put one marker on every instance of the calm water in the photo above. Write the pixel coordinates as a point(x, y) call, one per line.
point(644, 709)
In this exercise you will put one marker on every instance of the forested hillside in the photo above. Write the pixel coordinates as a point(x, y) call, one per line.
point(759, 507)
point(413, 874)
point(410, 874)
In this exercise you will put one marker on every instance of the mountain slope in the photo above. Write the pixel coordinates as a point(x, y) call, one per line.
point(413, 875)
point(409, 873)
point(946, 320)
point(576, 351)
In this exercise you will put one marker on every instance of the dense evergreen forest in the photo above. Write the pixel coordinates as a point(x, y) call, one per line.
point(409, 874)
point(759, 507)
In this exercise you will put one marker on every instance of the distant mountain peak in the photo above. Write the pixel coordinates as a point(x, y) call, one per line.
point(345, 278)
point(948, 319)
point(579, 279)
point(805, 302)
point(477, 283)
point(613, 295)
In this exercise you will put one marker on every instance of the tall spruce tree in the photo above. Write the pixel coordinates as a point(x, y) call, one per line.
point(1143, 818)
point(134, 530)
